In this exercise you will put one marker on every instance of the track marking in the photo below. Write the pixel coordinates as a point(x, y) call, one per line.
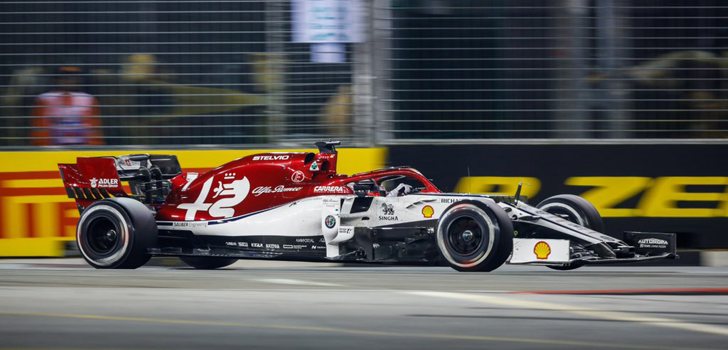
point(293, 282)
point(349, 331)
point(580, 310)
point(655, 291)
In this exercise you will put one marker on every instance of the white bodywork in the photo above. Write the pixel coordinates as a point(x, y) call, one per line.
point(307, 217)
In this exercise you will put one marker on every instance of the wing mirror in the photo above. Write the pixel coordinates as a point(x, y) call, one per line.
point(361, 188)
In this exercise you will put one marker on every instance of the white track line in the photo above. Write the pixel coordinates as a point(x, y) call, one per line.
point(293, 282)
point(580, 310)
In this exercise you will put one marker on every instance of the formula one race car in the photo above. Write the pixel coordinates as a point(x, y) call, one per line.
point(296, 206)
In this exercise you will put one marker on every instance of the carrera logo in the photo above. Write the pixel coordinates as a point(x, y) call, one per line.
point(273, 157)
point(330, 189)
point(103, 183)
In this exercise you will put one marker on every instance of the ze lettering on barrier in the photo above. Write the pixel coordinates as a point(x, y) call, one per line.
point(667, 196)
point(498, 185)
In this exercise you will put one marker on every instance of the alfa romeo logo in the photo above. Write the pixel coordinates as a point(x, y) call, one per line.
point(330, 221)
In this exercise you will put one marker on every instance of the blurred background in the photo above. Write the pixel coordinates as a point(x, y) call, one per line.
point(370, 72)
point(622, 102)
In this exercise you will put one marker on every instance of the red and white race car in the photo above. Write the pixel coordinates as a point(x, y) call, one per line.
point(296, 206)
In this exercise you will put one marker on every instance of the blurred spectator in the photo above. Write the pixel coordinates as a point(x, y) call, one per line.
point(337, 112)
point(697, 79)
point(65, 115)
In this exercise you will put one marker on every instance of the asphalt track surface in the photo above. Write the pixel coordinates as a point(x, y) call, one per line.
point(64, 304)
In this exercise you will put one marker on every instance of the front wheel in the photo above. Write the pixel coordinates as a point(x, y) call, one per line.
point(577, 210)
point(206, 262)
point(475, 236)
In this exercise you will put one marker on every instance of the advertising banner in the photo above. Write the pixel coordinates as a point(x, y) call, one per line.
point(681, 188)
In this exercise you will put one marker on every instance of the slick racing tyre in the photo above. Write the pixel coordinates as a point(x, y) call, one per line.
point(207, 263)
point(116, 233)
point(575, 209)
point(475, 236)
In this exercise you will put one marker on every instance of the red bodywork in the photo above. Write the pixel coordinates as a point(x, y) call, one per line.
point(242, 186)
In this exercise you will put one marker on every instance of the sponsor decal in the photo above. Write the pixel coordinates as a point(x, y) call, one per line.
point(272, 157)
point(652, 243)
point(272, 246)
point(387, 209)
point(256, 245)
point(448, 200)
point(346, 230)
point(187, 224)
point(387, 213)
point(243, 244)
point(314, 247)
point(294, 246)
point(298, 176)
point(542, 250)
point(278, 189)
point(189, 178)
point(428, 211)
point(231, 194)
point(304, 240)
point(330, 221)
point(103, 182)
point(331, 189)
point(314, 167)
point(234, 244)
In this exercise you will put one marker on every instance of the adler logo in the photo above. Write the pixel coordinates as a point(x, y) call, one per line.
point(274, 157)
point(103, 183)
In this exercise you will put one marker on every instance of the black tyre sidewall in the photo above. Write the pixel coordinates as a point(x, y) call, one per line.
point(586, 210)
point(140, 226)
point(502, 240)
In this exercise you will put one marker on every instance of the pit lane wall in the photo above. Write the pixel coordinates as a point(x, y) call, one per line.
point(681, 188)
point(38, 219)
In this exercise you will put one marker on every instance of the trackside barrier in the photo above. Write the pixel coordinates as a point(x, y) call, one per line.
point(37, 218)
point(680, 187)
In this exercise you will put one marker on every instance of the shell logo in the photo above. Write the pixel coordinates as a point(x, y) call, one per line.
point(542, 250)
point(427, 211)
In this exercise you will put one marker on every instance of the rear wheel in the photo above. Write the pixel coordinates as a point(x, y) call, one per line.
point(207, 263)
point(577, 210)
point(116, 233)
point(474, 236)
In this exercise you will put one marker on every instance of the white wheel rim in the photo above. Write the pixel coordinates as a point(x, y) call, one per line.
point(123, 235)
point(441, 236)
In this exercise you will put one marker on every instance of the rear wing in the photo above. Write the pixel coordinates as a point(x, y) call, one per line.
point(141, 176)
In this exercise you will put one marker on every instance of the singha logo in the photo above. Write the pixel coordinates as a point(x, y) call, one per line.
point(387, 209)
